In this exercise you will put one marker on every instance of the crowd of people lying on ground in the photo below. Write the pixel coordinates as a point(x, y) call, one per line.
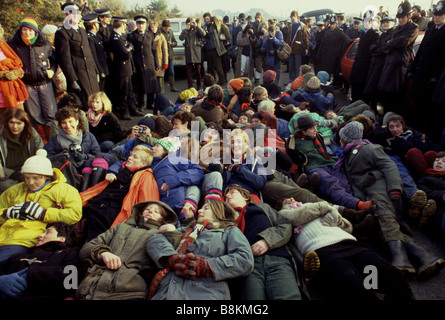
point(235, 190)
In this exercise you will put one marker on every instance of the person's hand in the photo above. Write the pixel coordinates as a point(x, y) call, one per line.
point(13, 213)
point(110, 177)
point(260, 247)
point(165, 66)
point(12, 75)
point(50, 73)
point(331, 218)
point(190, 266)
point(32, 211)
point(111, 261)
point(13, 284)
point(165, 187)
point(79, 156)
point(75, 86)
point(166, 228)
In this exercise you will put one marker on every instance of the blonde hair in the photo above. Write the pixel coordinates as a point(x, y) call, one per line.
point(258, 91)
point(147, 155)
point(102, 97)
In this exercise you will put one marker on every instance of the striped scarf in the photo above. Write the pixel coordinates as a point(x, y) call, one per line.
point(319, 146)
point(189, 237)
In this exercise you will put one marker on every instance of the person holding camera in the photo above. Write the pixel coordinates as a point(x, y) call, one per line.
point(245, 60)
point(273, 41)
point(192, 36)
point(72, 143)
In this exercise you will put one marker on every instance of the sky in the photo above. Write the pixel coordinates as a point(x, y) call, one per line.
point(282, 8)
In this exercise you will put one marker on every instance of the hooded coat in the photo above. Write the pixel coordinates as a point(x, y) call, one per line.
point(228, 253)
point(61, 201)
point(126, 240)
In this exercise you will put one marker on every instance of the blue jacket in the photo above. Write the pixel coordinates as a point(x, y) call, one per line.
point(323, 103)
point(178, 176)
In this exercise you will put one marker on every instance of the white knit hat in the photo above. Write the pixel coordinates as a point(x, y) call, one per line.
point(38, 164)
point(49, 29)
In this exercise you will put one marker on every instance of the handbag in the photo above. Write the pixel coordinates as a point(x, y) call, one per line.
point(285, 51)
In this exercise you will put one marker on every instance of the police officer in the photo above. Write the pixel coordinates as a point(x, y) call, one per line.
point(74, 55)
point(121, 53)
point(105, 28)
point(91, 24)
point(144, 80)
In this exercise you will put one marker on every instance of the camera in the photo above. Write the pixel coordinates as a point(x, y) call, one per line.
point(142, 129)
point(75, 147)
point(250, 31)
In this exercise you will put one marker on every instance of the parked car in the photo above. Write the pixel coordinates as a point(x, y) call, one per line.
point(317, 15)
point(348, 58)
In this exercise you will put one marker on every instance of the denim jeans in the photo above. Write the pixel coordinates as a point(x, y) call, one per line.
point(294, 66)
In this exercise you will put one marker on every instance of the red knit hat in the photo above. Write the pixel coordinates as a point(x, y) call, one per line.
point(236, 84)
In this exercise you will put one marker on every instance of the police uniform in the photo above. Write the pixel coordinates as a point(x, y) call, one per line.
point(121, 53)
point(76, 60)
point(97, 49)
point(144, 80)
point(104, 32)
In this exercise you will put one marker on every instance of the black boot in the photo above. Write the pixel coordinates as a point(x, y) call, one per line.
point(428, 265)
point(86, 181)
point(400, 257)
point(97, 176)
point(356, 216)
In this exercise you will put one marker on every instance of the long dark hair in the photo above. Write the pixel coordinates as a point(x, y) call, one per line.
point(20, 115)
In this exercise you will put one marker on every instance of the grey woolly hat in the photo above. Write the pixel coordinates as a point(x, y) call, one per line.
point(351, 132)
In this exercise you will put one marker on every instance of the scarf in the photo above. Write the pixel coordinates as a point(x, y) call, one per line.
point(14, 92)
point(30, 42)
point(93, 117)
point(435, 172)
point(65, 140)
point(349, 146)
point(319, 146)
point(240, 221)
point(188, 238)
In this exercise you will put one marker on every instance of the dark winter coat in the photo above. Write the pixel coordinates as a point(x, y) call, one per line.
point(108, 129)
point(362, 61)
point(121, 54)
point(299, 42)
point(76, 60)
point(98, 51)
point(144, 61)
point(193, 44)
point(377, 62)
point(434, 187)
point(428, 63)
point(46, 275)
point(36, 59)
point(439, 93)
point(398, 52)
point(330, 52)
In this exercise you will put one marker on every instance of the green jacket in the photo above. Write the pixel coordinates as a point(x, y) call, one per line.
point(169, 36)
point(315, 159)
point(126, 240)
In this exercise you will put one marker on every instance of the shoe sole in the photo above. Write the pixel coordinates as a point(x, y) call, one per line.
point(428, 211)
point(311, 264)
point(418, 202)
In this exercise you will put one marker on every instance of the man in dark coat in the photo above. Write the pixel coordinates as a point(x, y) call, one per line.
point(426, 71)
point(40, 273)
point(378, 61)
point(97, 47)
point(144, 80)
point(122, 68)
point(355, 31)
point(360, 68)
point(398, 51)
point(330, 52)
point(74, 56)
point(105, 28)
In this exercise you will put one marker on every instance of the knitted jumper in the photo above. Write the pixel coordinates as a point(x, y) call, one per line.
point(315, 235)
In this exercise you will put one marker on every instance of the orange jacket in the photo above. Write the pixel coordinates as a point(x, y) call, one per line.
point(143, 187)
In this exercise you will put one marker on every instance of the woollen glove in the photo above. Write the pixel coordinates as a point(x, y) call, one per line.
point(165, 66)
point(13, 284)
point(192, 267)
point(395, 195)
point(13, 213)
point(32, 211)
